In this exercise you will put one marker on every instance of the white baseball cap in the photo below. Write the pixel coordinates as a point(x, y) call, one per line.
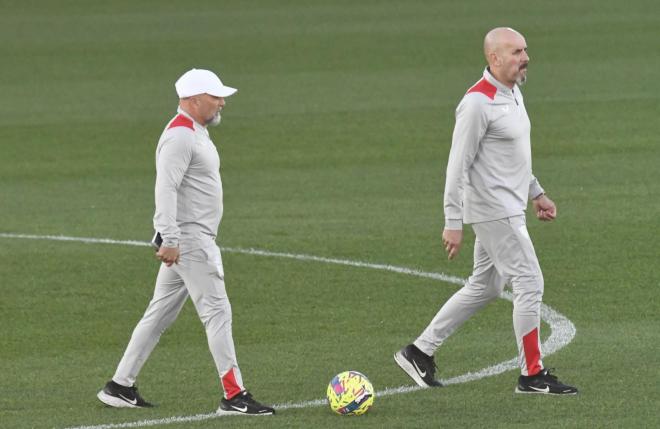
point(198, 81)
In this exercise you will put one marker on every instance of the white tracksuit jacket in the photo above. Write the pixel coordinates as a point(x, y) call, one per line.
point(188, 186)
point(489, 172)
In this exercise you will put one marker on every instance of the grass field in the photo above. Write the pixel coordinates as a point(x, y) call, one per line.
point(334, 146)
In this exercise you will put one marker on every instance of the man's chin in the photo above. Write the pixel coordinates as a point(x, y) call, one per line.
point(522, 78)
point(215, 120)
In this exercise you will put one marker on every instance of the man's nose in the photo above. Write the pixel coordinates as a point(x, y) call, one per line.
point(221, 102)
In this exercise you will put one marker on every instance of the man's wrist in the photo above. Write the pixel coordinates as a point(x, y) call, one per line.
point(538, 196)
point(454, 224)
point(170, 242)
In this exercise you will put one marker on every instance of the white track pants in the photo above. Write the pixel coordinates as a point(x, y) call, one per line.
point(503, 254)
point(199, 274)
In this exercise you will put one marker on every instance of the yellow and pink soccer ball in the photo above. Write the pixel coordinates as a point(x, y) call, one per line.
point(350, 393)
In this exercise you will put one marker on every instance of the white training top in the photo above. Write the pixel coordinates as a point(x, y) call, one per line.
point(489, 172)
point(188, 186)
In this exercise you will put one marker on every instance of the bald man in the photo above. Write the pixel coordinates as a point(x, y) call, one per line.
point(489, 181)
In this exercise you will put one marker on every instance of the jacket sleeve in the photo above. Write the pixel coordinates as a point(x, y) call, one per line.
point(470, 128)
point(172, 160)
point(535, 188)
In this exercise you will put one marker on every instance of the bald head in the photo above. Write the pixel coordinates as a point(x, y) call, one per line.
point(498, 38)
point(505, 50)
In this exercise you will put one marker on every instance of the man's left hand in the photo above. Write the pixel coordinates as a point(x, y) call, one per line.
point(169, 255)
point(544, 208)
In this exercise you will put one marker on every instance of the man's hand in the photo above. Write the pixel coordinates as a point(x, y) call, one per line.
point(169, 255)
point(451, 239)
point(545, 208)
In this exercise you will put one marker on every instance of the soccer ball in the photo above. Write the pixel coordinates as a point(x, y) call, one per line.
point(350, 393)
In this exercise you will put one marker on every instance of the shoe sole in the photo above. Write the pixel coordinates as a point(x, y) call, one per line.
point(534, 392)
point(113, 401)
point(222, 412)
point(407, 367)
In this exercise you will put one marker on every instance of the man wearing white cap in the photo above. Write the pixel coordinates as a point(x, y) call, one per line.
point(188, 212)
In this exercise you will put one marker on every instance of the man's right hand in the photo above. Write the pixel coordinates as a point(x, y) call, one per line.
point(451, 239)
point(169, 255)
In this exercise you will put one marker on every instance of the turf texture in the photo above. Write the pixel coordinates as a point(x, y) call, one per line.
point(335, 146)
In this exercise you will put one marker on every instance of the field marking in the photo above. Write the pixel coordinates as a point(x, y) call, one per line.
point(562, 329)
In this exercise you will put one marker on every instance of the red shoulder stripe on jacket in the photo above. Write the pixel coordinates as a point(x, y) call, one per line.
point(181, 121)
point(484, 87)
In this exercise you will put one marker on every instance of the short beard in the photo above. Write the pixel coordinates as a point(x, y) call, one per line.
point(521, 79)
point(215, 120)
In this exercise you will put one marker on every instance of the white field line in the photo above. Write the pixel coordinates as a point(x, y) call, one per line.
point(75, 239)
point(258, 252)
point(562, 329)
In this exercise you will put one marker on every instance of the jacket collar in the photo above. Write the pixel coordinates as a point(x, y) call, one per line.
point(187, 115)
point(497, 84)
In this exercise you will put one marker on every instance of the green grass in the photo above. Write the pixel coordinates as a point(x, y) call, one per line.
point(335, 145)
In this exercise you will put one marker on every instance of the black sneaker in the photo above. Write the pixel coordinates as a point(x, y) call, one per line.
point(544, 383)
point(419, 366)
point(118, 396)
point(243, 404)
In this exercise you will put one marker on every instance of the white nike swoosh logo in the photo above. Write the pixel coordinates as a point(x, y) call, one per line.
point(132, 402)
point(242, 410)
point(422, 373)
point(546, 390)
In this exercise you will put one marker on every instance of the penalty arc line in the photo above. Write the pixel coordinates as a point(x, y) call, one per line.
point(562, 329)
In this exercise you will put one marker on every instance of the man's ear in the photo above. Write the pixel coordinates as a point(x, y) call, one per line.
point(494, 59)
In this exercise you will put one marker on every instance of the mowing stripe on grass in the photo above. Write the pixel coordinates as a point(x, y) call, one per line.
point(562, 329)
